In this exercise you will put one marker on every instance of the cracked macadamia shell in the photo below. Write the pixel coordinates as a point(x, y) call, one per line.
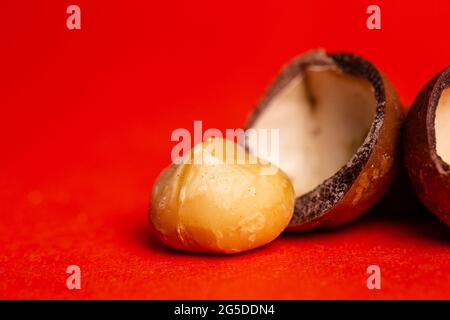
point(339, 125)
point(220, 205)
point(427, 145)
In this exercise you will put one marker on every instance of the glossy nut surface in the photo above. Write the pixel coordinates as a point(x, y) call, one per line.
point(221, 205)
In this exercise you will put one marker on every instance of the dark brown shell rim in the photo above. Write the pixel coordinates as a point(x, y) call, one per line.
point(441, 82)
point(330, 192)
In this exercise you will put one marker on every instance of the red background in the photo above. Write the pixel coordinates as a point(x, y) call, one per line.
point(85, 125)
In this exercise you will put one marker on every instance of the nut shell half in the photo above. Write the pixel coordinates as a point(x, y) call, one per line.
point(429, 173)
point(358, 184)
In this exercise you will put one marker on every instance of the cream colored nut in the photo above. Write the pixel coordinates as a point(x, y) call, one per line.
point(221, 205)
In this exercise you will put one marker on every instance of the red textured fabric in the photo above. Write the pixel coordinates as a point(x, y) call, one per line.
point(85, 125)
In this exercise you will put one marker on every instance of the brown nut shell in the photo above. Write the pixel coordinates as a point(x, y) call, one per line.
point(428, 171)
point(357, 184)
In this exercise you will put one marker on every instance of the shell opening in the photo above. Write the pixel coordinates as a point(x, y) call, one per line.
point(442, 126)
point(323, 116)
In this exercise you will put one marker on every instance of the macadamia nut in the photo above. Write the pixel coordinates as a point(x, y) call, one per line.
point(219, 198)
